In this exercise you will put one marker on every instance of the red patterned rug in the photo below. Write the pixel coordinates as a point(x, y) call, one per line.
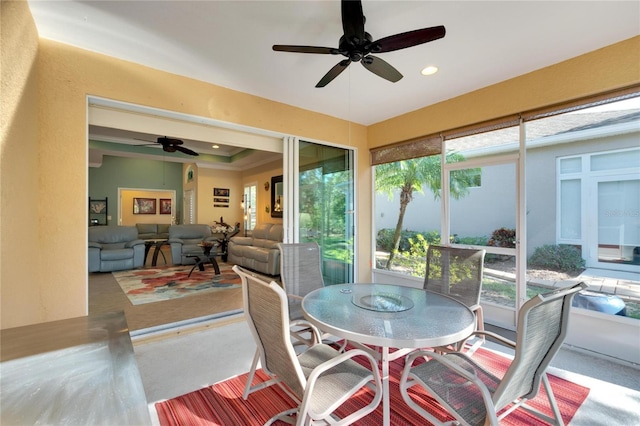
point(222, 403)
point(169, 282)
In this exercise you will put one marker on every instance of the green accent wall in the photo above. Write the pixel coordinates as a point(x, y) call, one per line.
point(133, 173)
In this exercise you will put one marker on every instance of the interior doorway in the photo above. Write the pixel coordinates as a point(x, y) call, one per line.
point(163, 202)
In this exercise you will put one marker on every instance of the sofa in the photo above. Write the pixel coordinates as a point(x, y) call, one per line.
point(259, 251)
point(153, 231)
point(115, 248)
point(184, 240)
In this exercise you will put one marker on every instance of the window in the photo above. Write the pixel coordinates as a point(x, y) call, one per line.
point(249, 206)
point(578, 167)
point(599, 206)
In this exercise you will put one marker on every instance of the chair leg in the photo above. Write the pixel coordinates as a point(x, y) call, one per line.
point(247, 386)
point(552, 400)
point(288, 417)
point(557, 417)
point(252, 373)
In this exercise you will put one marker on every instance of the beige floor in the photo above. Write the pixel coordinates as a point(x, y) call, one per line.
point(105, 295)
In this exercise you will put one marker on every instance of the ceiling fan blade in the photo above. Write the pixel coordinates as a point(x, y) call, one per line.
point(305, 49)
point(333, 72)
point(408, 39)
point(353, 21)
point(381, 68)
point(184, 150)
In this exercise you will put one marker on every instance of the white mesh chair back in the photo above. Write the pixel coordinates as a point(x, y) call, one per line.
point(542, 328)
point(265, 307)
point(300, 273)
point(471, 393)
point(455, 272)
point(320, 379)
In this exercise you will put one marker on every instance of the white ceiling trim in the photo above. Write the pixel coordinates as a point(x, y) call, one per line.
point(145, 123)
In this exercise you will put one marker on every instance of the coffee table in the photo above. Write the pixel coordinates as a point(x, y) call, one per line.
point(157, 243)
point(205, 257)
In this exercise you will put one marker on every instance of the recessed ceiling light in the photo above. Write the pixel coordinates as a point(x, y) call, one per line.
point(430, 70)
point(215, 146)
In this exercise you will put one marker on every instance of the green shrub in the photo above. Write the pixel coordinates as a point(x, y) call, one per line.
point(563, 258)
point(419, 246)
point(384, 240)
point(503, 237)
point(409, 240)
point(474, 241)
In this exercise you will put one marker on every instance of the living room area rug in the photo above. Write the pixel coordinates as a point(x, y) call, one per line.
point(170, 282)
point(222, 403)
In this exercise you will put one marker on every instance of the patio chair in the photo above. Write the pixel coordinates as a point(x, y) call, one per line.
point(320, 379)
point(300, 274)
point(473, 395)
point(457, 272)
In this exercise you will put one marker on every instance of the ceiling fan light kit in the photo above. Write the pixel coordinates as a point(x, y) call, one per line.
point(357, 45)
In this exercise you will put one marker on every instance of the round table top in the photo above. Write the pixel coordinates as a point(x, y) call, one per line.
point(419, 318)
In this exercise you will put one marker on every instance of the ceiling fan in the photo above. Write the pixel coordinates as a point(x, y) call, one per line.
point(171, 145)
point(357, 45)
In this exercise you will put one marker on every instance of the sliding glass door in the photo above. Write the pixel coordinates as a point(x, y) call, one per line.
point(326, 207)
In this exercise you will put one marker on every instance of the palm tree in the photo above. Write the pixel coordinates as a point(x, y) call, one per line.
point(414, 175)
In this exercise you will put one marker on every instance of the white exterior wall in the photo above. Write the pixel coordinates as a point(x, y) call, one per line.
point(487, 208)
point(542, 178)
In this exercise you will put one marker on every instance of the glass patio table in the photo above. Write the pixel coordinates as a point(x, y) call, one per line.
point(388, 316)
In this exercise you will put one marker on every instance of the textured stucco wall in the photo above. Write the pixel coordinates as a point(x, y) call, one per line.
point(21, 295)
point(609, 68)
point(44, 145)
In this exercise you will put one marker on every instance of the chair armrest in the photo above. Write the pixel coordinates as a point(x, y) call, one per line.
point(243, 241)
point(93, 244)
point(471, 377)
point(492, 336)
point(294, 296)
point(343, 357)
point(317, 336)
point(134, 243)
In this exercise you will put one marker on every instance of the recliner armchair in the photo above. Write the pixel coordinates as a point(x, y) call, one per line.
point(114, 248)
point(184, 240)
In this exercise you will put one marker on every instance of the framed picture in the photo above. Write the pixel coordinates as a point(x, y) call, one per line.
point(144, 206)
point(220, 200)
point(221, 205)
point(220, 192)
point(165, 205)
point(97, 207)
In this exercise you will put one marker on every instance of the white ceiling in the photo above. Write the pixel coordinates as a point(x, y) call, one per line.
point(228, 43)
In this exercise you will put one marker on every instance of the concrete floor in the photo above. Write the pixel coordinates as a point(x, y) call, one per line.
point(198, 355)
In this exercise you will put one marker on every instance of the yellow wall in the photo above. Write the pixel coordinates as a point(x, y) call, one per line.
point(209, 179)
point(130, 219)
point(22, 293)
point(44, 145)
point(258, 176)
point(48, 182)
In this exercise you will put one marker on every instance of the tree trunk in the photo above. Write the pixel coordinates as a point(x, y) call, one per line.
point(405, 199)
